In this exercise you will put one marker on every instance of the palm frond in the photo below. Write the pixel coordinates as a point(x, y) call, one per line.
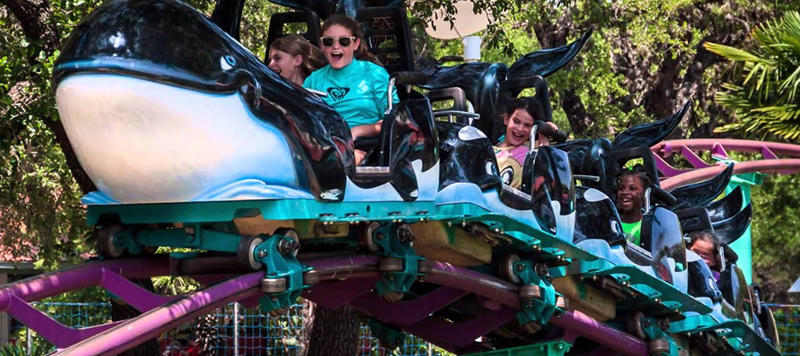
point(765, 99)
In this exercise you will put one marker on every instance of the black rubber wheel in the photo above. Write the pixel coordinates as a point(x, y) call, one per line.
point(634, 322)
point(245, 253)
point(105, 242)
point(506, 268)
point(365, 239)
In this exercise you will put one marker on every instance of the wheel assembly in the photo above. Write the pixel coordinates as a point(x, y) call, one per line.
point(424, 266)
point(246, 252)
point(562, 303)
point(391, 264)
point(506, 268)
point(366, 241)
point(634, 322)
point(532, 327)
point(393, 297)
point(273, 285)
point(311, 277)
point(105, 242)
point(529, 291)
point(286, 247)
point(658, 346)
point(279, 312)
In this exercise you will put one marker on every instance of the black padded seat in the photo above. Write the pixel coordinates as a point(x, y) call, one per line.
point(388, 37)
point(617, 160)
point(661, 237)
point(694, 219)
point(277, 22)
point(510, 89)
point(454, 94)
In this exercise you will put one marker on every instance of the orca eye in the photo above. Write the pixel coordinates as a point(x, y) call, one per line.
point(491, 168)
point(227, 62)
point(507, 175)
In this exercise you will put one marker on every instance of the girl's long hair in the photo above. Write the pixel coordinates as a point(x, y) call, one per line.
point(297, 45)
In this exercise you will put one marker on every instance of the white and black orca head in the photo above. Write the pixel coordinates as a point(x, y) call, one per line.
point(155, 85)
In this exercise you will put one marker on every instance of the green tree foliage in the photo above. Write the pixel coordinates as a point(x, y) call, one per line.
point(763, 93)
point(776, 246)
point(39, 199)
point(643, 62)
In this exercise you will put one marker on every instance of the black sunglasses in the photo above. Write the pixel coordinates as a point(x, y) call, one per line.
point(327, 41)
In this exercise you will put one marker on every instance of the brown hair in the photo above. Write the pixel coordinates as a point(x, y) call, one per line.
point(297, 45)
point(361, 53)
point(705, 235)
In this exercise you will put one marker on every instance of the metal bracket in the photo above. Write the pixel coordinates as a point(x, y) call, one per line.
point(549, 348)
point(539, 297)
point(400, 263)
point(285, 277)
point(388, 336)
point(135, 241)
point(661, 343)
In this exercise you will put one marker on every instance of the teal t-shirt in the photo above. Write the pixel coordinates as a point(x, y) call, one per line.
point(634, 230)
point(358, 91)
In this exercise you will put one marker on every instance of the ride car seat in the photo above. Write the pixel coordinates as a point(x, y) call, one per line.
point(278, 22)
point(661, 239)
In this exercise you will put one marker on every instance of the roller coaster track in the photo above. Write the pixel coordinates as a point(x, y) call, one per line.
point(350, 279)
point(782, 158)
point(344, 279)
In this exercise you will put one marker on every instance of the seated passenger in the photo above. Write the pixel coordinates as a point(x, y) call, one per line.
point(356, 88)
point(631, 184)
point(706, 244)
point(514, 145)
point(294, 58)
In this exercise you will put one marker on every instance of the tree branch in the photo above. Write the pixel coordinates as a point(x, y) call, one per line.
point(33, 17)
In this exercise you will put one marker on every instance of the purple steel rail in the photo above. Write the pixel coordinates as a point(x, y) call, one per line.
point(111, 275)
point(771, 153)
point(349, 280)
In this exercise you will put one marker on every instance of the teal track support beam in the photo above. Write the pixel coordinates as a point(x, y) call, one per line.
point(744, 245)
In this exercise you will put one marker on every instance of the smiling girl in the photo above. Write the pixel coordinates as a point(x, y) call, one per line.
point(511, 151)
point(631, 185)
point(294, 58)
point(356, 88)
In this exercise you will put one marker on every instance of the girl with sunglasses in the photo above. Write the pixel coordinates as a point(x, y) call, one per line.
point(294, 58)
point(355, 87)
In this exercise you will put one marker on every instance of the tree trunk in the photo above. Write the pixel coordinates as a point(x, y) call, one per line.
point(333, 332)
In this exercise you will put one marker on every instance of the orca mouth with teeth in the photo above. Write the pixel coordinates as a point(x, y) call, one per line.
point(144, 47)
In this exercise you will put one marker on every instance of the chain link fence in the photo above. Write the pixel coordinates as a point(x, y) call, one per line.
point(236, 330)
point(231, 330)
point(787, 318)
